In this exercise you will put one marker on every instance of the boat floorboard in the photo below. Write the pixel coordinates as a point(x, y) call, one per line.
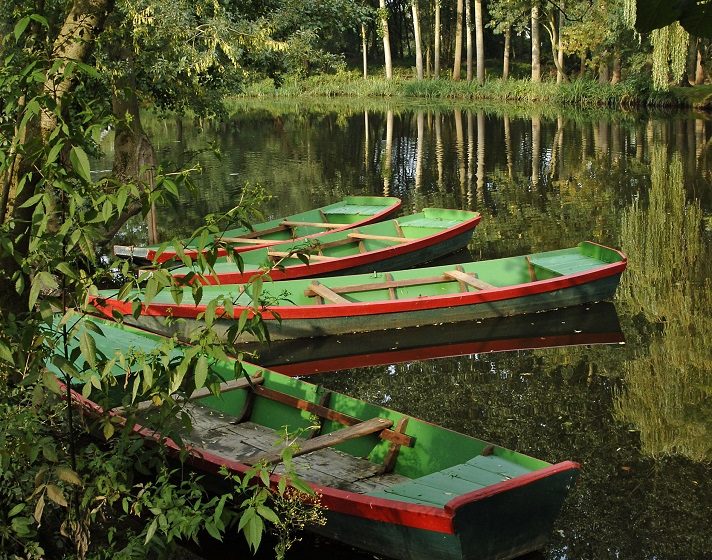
point(221, 434)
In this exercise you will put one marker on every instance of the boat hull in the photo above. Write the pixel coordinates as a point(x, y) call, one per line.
point(502, 526)
point(448, 310)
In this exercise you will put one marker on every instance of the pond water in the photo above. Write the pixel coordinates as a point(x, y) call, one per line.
point(637, 416)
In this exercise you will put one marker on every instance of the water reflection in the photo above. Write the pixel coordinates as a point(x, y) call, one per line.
point(636, 416)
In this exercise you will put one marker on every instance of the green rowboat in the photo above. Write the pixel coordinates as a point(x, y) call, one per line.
point(403, 298)
point(391, 484)
point(350, 212)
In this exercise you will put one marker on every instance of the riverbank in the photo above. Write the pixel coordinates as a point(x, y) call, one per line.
point(578, 93)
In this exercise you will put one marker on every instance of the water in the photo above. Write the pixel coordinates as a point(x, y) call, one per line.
point(638, 417)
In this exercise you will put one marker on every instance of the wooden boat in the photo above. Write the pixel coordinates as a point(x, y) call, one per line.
point(404, 298)
point(595, 323)
point(350, 212)
point(416, 490)
point(400, 243)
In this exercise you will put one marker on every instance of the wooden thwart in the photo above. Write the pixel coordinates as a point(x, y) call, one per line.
point(328, 413)
point(328, 294)
point(378, 237)
point(389, 283)
point(469, 279)
point(367, 427)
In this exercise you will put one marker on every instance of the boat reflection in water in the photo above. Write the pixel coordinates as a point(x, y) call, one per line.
point(587, 324)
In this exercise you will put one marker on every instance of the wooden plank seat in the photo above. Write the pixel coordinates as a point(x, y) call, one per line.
point(561, 265)
point(390, 284)
point(357, 235)
point(367, 427)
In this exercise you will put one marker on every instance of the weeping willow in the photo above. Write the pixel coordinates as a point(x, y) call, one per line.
point(668, 384)
point(669, 54)
point(629, 13)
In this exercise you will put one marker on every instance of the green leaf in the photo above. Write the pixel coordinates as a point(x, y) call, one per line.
point(80, 163)
point(54, 152)
point(201, 371)
point(302, 486)
point(69, 476)
point(17, 509)
point(87, 344)
point(213, 530)
point(268, 514)
point(5, 353)
point(253, 529)
point(50, 381)
point(55, 494)
point(147, 377)
point(20, 27)
point(108, 430)
point(151, 530)
point(39, 19)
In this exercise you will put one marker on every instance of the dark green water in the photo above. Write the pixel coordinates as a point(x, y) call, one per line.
point(638, 417)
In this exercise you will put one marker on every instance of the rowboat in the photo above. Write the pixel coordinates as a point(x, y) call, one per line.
point(416, 490)
point(592, 324)
point(350, 212)
point(406, 298)
point(400, 243)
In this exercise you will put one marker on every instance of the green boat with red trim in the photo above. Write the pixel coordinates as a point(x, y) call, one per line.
point(405, 298)
point(391, 244)
point(391, 484)
point(349, 212)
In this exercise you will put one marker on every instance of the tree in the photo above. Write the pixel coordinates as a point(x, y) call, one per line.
point(468, 38)
point(456, 71)
point(536, 44)
point(480, 41)
point(417, 39)
point(436, 56)
point(383, 17)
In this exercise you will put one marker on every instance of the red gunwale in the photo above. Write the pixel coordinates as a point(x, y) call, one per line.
point(416, 516)
point(168, 254)
point(335, 310)
point(429, 352)
point(352, 261)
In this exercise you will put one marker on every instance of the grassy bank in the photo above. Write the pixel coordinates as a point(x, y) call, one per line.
point(580, 93)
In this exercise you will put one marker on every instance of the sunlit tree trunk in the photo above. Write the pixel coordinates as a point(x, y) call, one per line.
point(603, 71)
point(507, 52)
point(386, 39)
point(436, 61)
point(364, 52)
point(552, 28)
point(458, 43)
point(536, 44)
point(468, 38)
point(480, 42)
point(416, 38)
point(560, 73)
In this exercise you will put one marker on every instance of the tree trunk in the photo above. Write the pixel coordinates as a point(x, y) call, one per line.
point(552, 29)
point(617, 68)
point(536, 56)
point(74, 42)
point(468, 38)
point(560, 71)
point(436, 61)
point(507, 51)
point(386, 40)
point(387, 166)
point(480, 42)
point(416, 38)
point(603, 71)
point(699, 68)
point(364, 54)
point(582, 65)
point(458, 43)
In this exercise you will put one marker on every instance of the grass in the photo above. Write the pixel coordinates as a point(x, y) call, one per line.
point(578, 93)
